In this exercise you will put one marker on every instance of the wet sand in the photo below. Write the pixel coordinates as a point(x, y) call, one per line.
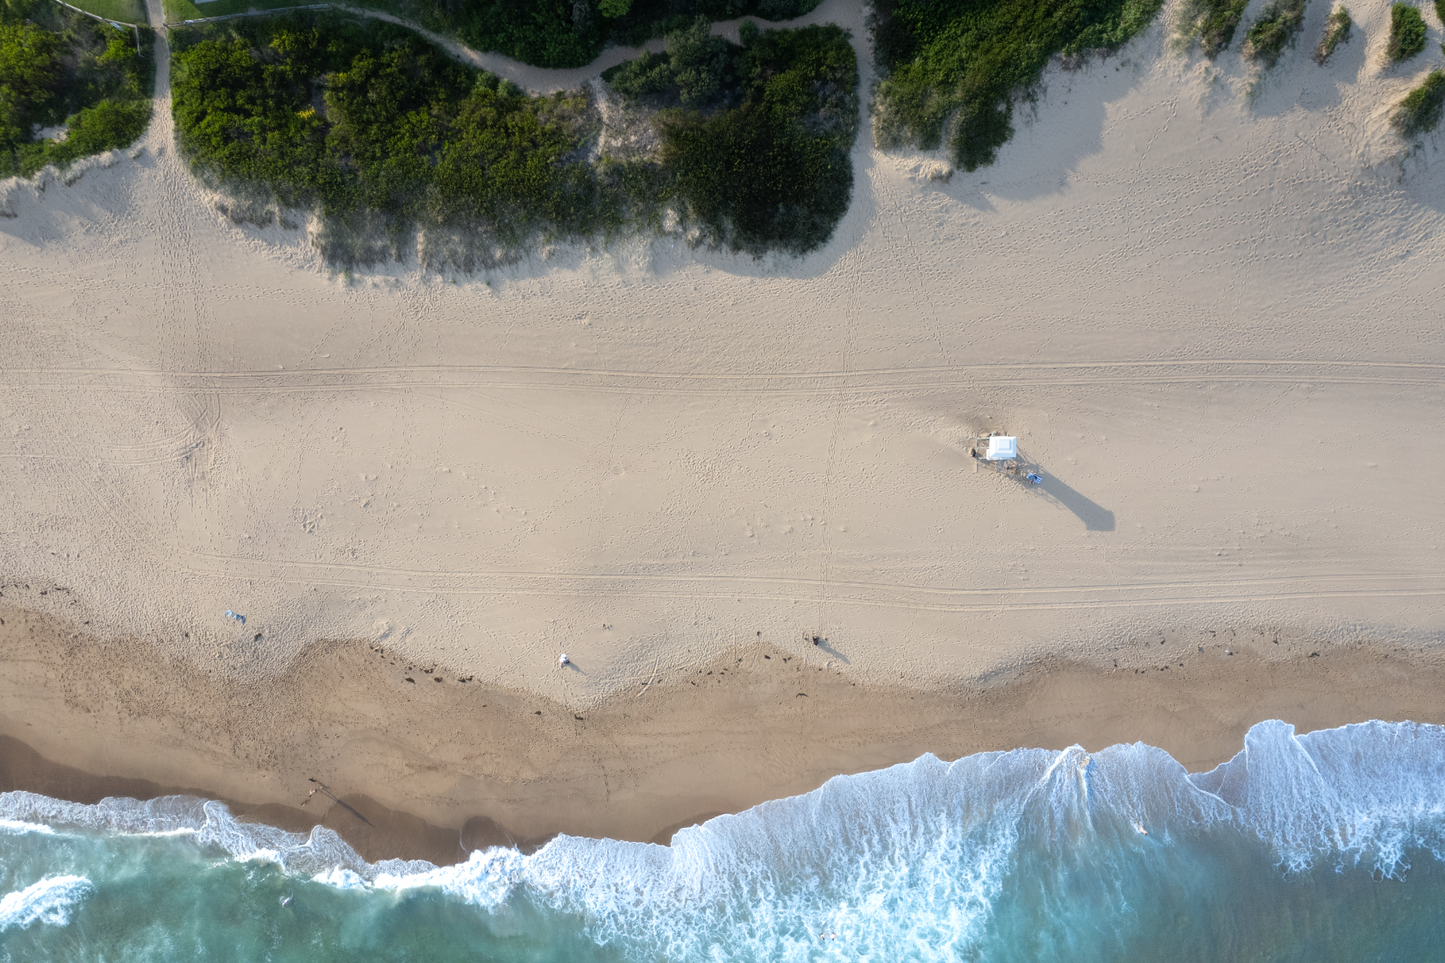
point(439, 766)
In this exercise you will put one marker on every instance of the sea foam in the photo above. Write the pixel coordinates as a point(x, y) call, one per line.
point(904, 862)
point(47, 901)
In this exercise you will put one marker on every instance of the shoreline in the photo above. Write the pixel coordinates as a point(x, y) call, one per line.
point(438, 768)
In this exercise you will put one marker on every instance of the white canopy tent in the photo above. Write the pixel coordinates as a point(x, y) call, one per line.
point(1002, 448)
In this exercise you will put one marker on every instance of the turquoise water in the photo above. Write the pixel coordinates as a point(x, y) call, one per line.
point(1320, 847)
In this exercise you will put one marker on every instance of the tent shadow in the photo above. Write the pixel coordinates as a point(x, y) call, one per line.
point(1096, 517)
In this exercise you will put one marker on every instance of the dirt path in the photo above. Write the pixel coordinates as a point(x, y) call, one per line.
point(541, 80)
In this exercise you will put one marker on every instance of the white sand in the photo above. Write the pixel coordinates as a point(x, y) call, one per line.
point(1215, 325)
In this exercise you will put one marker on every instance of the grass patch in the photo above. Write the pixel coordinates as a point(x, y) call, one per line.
point(394, 144)
point(1420, 111)
point(60, 68)
point(953, 69)
point(1277, 27)
point(178, 10)
point(124, 11)
point(1407, 33)
point(1214, 22)
point(1337, 31)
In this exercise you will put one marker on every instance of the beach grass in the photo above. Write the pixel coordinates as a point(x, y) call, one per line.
point(954, 72)
point(1277, 28)
point(1337, 31)
point(1407, 33)
point(1213, 22)
point(62, 69)
point(1420, 111)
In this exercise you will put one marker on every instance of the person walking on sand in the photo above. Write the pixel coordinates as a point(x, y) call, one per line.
point(563, 660)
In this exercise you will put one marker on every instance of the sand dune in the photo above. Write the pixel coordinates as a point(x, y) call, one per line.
point(1213, 320)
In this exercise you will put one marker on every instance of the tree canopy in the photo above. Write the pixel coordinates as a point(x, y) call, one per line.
point(61, 69)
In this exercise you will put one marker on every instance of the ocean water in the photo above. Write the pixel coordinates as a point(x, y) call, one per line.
point(1326, 846)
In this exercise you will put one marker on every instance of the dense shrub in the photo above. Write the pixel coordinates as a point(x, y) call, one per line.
point(383, 135)
point(1337, 31)
point(696, 69)
point(571, 33)
point(1275, 29)
point(60, 68)
point(954, 66)
point(772, 172)
point(1419, 113)
point(1407, 32)
point(378, 129)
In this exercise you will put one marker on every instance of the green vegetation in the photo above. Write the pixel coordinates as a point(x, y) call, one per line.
point(1407, 32)
point(123, 11)
point(384, 136)
point(954, 67)
point(379, 131)
point(178, 10)
point(1213, 22)
point(545, 33)
point(1420, 111)
point(57, 68)
point(757, 152)
point(1337, 31)
point(1276, 28)
point(571, 33)
point(694, 70)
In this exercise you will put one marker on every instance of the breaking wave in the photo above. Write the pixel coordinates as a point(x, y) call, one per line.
point(914, 861)
point(48, 901)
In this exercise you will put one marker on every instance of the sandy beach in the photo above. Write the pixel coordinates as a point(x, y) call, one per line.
point(1208, 306)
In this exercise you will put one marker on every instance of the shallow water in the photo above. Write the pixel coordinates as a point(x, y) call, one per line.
point(1322, 847)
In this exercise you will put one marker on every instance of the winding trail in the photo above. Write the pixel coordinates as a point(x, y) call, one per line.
point(542, 80)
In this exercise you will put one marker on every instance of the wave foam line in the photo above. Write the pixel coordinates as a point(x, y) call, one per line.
point(909, 859)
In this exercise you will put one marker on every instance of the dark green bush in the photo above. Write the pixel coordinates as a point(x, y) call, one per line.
point(379, 129)
point(955, 66)
point(1337, 31)
point(1407, 32)
point(695, 71)
point(382, 134)
point(773, 172)
point(59, 67)
point(1276, 28)
point(1419, 113)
